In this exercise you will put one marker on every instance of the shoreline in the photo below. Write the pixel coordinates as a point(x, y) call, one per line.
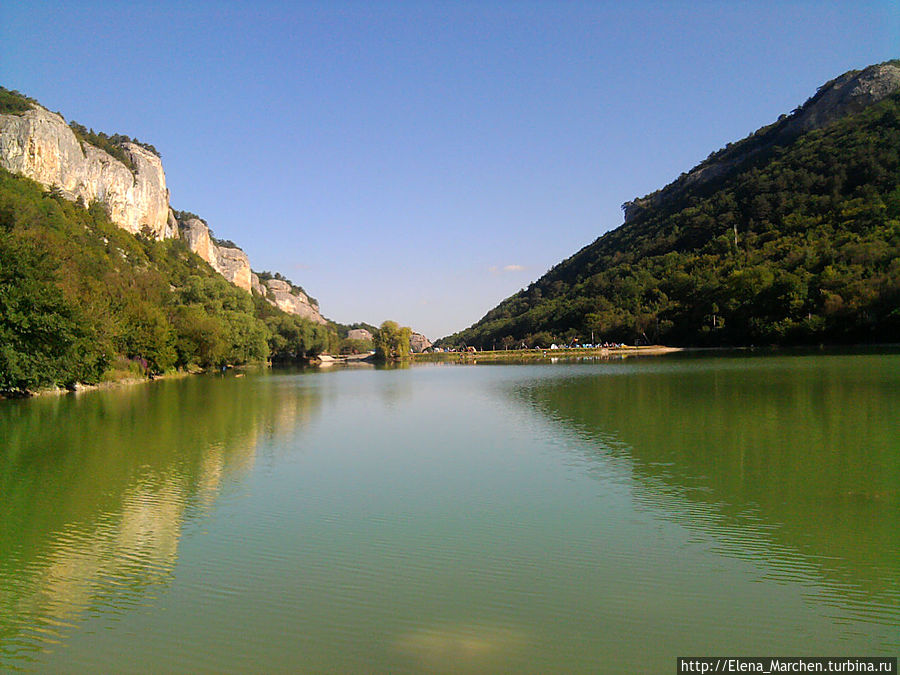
point(497, 356)
point(80, 387)
point(540, 354)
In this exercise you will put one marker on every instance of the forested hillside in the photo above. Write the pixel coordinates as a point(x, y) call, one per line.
point(82, 300)
point(800, 244)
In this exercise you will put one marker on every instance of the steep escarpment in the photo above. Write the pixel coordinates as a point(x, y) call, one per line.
point(291, 300)
point(791, 236)
point(233, 264)
point(40, 145)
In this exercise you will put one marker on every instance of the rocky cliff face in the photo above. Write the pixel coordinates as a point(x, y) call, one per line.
point(419, 343)
point(850, 93)
point(40, 145)
point(231, 263)
point(292, 301)
point(256, 286)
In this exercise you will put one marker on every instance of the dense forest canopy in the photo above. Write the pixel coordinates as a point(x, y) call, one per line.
point(798, 245)
point(82, 300)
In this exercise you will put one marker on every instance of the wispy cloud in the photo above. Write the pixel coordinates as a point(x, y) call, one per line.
point(506, 269)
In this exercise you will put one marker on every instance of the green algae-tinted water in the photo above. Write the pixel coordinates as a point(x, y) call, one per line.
point(585, 517)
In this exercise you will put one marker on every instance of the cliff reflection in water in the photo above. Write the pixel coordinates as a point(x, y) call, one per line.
point(793, 462)
point(96, 490)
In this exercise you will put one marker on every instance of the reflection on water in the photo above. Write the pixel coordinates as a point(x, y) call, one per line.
point(596, 517)
point(792, 461)
point(97, 490)
point(470, 647)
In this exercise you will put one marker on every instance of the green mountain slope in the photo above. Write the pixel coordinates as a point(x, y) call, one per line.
point(82, 300)
point(796, 241)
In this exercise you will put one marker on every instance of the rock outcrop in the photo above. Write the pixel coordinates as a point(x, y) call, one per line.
point(234, 265)
point(256, 286)
point(850, 93)
point(359, 334)
point(418, 343)
point(292, 300)
point(195, 234)
point(231, 263)
point(40, 145)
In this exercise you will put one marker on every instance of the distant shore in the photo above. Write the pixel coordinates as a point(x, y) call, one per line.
point(539, 354)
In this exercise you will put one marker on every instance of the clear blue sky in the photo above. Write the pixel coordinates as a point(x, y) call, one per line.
point(422, 161)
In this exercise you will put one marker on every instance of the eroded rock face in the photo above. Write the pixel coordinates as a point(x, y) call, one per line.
point(256, 286)
point(359, 334)
point(418, 343)
point(196, 235)
point(234, 265)
point(231, 263)
point(848, 94)
point(40, 145)
point(292, 302)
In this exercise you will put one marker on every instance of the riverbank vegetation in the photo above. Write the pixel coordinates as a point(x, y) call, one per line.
point(81, 298)
point(801, 245)
point(391, 342)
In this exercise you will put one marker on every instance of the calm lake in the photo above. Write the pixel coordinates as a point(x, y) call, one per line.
point(596, 517)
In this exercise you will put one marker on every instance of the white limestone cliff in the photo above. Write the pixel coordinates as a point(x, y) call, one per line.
point(292, 301)
point(40, 145)
point(231, 263)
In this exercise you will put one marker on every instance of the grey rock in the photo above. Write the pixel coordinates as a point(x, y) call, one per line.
point(233, 264)
point(292, 302)
point(359, 334)
point(418, 343)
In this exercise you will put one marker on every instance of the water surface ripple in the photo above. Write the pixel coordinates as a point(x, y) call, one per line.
point(591, 517)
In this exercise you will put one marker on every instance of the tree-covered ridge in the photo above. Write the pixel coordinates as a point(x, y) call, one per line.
point(800, 245)
point(762, 143)
point(81, 299)
point(13, 102)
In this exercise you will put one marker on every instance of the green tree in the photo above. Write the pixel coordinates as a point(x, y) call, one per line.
point(391, 341)
point(44, 339)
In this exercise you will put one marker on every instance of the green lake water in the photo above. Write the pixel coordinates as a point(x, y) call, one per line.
point(590, 517)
